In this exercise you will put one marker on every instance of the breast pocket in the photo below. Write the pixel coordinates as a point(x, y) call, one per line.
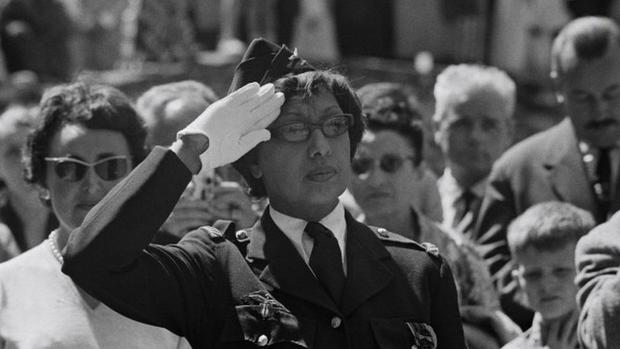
point(401, 333)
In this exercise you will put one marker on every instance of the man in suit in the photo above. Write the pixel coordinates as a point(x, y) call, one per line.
point(576, 161)
point(473, 127)
point(598, 262)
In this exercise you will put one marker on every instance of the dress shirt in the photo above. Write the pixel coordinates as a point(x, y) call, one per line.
point(293, 228)
point(450, 192)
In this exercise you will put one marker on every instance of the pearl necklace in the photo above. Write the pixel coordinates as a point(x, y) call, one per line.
point(51, 240)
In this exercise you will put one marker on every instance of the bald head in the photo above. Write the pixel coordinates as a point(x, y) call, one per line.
point(168, 108)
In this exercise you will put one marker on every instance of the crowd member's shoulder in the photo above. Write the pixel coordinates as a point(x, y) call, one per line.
point(523, 151)
point(603, 235)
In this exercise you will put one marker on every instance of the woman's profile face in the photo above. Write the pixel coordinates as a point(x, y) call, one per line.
point(74, 189)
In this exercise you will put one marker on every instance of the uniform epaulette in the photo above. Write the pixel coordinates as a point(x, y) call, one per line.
point(213, 233)
point(387, 236)
point(240, 238)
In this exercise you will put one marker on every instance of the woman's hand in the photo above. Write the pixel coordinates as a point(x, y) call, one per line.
point(188, 214)
point(230, 202)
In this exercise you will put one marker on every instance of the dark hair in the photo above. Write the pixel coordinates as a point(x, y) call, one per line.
point(151, 107)
point(394, 107)
point(96, 107)
point(589, 37)
point(306, 85)
point(548, 226)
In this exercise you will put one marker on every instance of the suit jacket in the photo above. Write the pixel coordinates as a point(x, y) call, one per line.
point(544, 167)
point(396, 294)
point(598, 264)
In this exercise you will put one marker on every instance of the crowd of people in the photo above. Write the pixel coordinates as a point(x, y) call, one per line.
point(299, 212)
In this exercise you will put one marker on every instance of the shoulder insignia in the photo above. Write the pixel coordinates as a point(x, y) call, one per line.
point(431, 249)
point(242, 236)
point(383, 232)
point(387, 236)
point(213, 233)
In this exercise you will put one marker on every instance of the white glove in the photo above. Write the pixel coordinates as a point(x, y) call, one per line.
point(236, 123)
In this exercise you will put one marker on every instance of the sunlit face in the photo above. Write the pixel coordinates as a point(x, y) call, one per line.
point(474, 132)
point(305, 179)
point(547, 277)
point(71, 200)
point(15, 125)
point(591, 94)
point(382, 191)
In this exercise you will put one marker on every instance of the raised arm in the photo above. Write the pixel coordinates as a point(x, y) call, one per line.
point(182, 287)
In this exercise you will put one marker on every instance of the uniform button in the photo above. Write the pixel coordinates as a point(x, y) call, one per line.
point(262, 340)
point(336, 322)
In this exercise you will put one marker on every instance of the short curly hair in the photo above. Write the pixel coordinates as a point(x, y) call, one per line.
point(306, 85)
point(394, 107)
point(94, 106)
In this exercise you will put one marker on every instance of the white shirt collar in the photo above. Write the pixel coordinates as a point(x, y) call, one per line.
point(293, 228)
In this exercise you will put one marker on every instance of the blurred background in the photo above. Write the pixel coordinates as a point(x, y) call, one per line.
point(134, 44)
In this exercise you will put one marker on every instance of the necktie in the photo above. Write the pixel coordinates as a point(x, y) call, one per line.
point(466, 213)
point(603, 176)
point(325, 260)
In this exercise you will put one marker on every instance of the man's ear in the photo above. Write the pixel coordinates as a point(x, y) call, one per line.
point(436, 129)
point(556, 82)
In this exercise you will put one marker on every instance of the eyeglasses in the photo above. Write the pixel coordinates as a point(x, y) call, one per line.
point(108, 169)
point(389, 163)
point(298, 131)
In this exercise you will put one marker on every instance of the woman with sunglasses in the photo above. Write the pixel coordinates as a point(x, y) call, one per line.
point(88, 138)
point(387, 170)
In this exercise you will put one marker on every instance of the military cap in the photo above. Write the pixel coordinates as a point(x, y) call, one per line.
point(266, 62)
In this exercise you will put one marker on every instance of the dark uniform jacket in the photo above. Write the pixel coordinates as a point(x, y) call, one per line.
point(201, 288)
point(397, 294)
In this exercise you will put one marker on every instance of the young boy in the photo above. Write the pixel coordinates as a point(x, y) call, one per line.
point(542, 243)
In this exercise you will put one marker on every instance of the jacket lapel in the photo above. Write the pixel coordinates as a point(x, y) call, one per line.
point(285, 270)
point(565, 167)
point(367, 273)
